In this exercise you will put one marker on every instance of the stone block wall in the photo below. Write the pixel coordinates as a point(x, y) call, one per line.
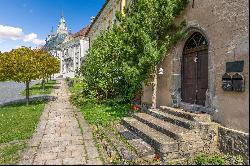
point(234, 142)
point(106, 17)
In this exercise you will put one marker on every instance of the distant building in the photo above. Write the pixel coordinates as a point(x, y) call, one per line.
point(69, 48)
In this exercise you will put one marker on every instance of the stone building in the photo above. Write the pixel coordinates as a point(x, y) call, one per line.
point(217, 43)
point(69, 48)
point(207, 72)
point(106, 17)
point(193, 69)
point(73, 50)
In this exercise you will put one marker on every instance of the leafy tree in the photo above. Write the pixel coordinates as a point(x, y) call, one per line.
point(125, 56)
point(46, 64)
point(24, 64)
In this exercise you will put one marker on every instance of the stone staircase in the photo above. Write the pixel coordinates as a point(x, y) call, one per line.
point(174, 134)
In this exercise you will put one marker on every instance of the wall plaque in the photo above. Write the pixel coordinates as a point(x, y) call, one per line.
point(236, 66)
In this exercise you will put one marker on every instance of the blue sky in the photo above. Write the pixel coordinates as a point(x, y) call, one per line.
point(28, 22)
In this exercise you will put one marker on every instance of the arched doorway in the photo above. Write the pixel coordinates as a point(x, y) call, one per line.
point(195, 70)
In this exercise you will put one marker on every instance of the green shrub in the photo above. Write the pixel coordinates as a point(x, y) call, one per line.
point(124, 57)
point(205, 159)
point(218, 159)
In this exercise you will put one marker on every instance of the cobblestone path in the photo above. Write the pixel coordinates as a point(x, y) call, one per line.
point(62, 135)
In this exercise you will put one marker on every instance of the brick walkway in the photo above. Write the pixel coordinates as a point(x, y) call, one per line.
point(58, 138)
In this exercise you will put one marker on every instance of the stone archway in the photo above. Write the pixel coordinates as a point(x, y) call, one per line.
point(176, 77)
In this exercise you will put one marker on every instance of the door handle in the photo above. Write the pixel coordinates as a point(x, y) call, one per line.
point(196, 59)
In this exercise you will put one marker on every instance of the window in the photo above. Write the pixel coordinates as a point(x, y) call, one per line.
point(195, 41)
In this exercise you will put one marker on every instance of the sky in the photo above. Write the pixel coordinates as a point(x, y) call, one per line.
point(28, 22)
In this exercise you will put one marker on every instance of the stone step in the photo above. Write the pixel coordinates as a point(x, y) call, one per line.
point(172, 119)
point(167, 128)
point(186, 115)
point(159, 141)
point(143, 149)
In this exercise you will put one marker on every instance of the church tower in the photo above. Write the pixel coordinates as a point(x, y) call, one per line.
point(62, 28)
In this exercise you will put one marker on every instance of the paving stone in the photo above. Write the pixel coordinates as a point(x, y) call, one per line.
point(73, 161)
point(54, 162)
point(39, 162)
point(64, 154)
point(58, 149)
point(95, 161)
point(77, 142)
point(45, 156)
point(92, 152)
point(77, 154)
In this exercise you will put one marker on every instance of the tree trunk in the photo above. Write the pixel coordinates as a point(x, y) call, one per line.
point(27, 93)
point(43, 84)
point(154, 84)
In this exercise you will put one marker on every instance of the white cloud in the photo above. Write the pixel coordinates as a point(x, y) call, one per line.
point(32, 37)
point(10, 32)
point(15, 33)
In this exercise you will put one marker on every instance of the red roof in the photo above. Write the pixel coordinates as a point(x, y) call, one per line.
point(82, 32)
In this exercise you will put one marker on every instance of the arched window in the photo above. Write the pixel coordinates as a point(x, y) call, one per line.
point(196, 41)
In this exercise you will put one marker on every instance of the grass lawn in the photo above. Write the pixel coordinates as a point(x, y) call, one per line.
point(17, 124)
point(104, 114)
point(37, 89)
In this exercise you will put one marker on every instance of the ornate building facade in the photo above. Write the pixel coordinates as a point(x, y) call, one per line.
point(69, 48)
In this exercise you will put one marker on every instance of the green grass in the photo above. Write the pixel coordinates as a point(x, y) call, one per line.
point(11, 154)
point(104, 114)
point(97, 113)
point(37, 89)
point(17, 123)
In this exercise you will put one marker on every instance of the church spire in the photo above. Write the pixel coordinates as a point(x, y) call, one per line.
point(62, 13)
point(52, 30)
point(62, 28)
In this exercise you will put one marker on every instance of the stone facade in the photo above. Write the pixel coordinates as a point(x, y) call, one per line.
point(225, 25)
point(69, 48)
point(106, 17)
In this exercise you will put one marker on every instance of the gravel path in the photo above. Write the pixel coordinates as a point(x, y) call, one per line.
point(62, 136)
point(10, 91)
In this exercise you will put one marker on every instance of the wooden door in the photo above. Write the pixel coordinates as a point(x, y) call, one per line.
point(195, 77)
point(195, 70)
point(189, 78)
point(202, 76)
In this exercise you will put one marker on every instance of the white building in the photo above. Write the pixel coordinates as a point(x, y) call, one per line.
point(69, 48)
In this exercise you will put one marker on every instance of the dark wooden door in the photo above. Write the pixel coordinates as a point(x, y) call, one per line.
point(195, 77)
point(202, 76)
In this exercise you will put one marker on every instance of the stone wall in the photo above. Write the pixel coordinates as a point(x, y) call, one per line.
point(234, 142)
point(106, 17)
point(225, 24)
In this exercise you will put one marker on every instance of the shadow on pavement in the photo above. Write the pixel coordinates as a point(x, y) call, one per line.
point(33, 100)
